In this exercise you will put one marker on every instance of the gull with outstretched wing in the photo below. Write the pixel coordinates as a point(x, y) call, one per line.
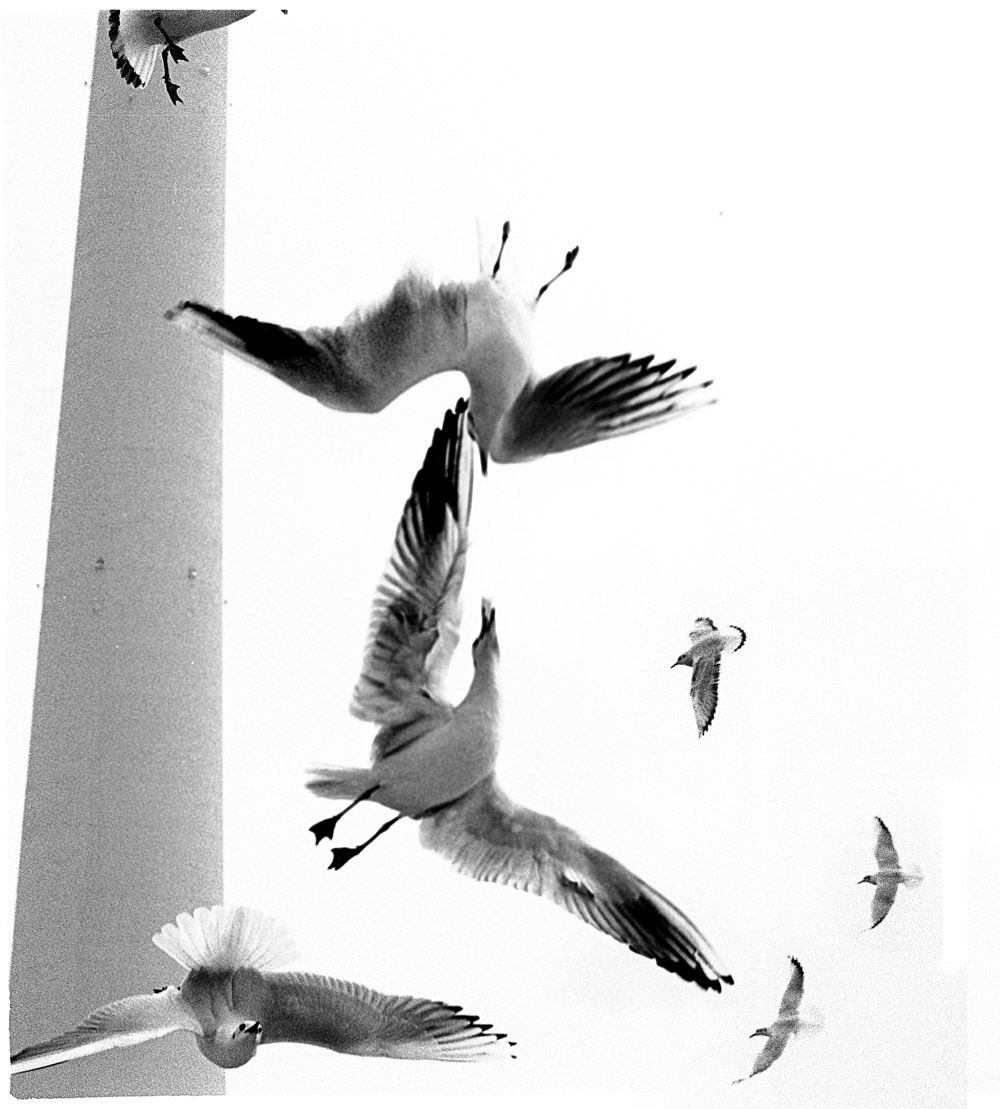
point(889, 876)
point(789, 1023)
point(704, 655)
point(433, 761)
point(233, 1000)
point(482, 328)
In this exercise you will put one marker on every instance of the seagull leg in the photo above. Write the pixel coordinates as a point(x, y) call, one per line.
point(342, 855)
point(176, 52)
point(567, 265)
point(503, 243)
point(324, 828)
point(172, 89)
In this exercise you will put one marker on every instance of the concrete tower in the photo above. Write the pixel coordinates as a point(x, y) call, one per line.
point(123, 809)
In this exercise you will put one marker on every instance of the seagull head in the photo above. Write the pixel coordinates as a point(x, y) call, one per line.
point(233, 1044)
point(486, 644)
point(682, 660)
point(761, 1032)
point(868, 878)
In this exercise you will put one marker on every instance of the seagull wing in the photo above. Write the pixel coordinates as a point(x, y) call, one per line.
point(488, 837)
point(776, 1042)
point(885, 852)
point(792, 997)
point(346, 1017)
point(601, 398)
point(416, 614)
point(702, 627)
point(882, 902)
point(120, 1024)
point(373, 356)
point(705, 691)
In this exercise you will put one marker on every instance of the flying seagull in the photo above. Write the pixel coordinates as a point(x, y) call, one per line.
point(482, 328)
point(433, 761)
point(889, 876)
point(232, 1001)
point(789, 1023)
point(704, 654)
point(138, 36)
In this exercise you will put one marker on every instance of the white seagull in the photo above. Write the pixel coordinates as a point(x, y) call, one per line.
point(138, 36)
point(434, 761)
point(790, 1022)
point(707, 647)
point(232, 1001)
point(482, 328)
point(889, 876)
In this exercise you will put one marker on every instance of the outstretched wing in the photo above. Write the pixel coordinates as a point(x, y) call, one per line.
point(416, 614)
point(120, 1024)
point(885, 852)
point(792, 997)
point(775, 1045)
point(601, 398)
point(346, 1017)
point(702, 627)
point(373, 356)
point(488, 837)
point(705, 691)
point(882, 902)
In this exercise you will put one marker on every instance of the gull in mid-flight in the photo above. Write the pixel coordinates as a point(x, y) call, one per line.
point(233, 1001)
point(889, 876)
point(482, 328)
point(434, 761)
point(138, 36)
point(789, 1023)
point(707, 646)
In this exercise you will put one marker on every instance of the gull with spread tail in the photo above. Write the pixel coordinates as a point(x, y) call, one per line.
point(889, 876)
point(434, 761)
point(704, 655)
point(233, 1001)
point(482, 328)
point(789, 1023)
point(138, 36)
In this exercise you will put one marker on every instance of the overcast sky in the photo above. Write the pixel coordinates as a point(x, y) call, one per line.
point(795, 204)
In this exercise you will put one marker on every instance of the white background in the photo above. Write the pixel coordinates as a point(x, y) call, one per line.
point(800, 206)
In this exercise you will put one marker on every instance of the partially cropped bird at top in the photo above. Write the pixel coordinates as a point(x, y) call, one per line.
point(482, 328)
point(434, 761)
point(889, 876)
point(789, 1023)
point(138, 36)
point(707, 647)
point(233, 1001)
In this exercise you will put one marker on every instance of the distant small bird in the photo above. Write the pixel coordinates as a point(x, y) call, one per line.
point(707, 646)
point(789, 1023)
point(889, 876)
point(482, 328)
point(138, 36)
point(434, 761)
point(232, 1002)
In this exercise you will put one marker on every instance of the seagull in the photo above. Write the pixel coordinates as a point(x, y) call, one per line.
point(889, 876)
point(233, 1002)
point(482, 328)
point(707, 646)
point(789, 1023)
point(138, 36)
point(434, 761)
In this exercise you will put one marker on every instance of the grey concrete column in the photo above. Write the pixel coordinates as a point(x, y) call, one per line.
point(123, 810)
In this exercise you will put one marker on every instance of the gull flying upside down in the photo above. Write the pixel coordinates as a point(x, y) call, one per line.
point(434, 761)
point(482, 328)
point(233, 1001)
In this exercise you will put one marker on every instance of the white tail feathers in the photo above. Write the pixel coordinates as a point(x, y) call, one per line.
point(914, 876)
point(340, 783)
point(225, 939)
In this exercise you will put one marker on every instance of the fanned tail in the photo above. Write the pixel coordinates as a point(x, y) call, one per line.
point(225, 939)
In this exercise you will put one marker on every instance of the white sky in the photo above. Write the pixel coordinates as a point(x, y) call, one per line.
point(799, 205)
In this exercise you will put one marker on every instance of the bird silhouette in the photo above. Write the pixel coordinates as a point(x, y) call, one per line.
point(482, 328)
point(233, 1001)
point(704, 655)
point(889, 876)
point(789, 1023)
point(138, 36)
point(434, 761)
